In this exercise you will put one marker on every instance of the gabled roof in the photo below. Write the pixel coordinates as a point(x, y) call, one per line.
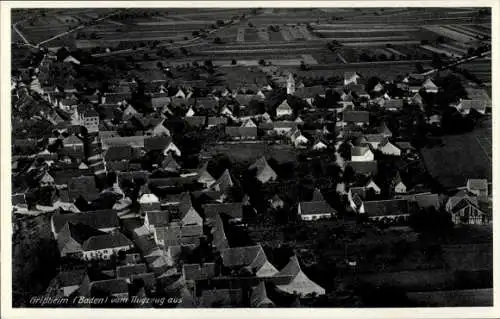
point(427, 200)
point(251, 257)
point(221, 298)
point(157, 143)
point(284, 124)
point(170, 164)
point(393, 104)
point(364, 167)
point(198, 272)
point(238, 131)
point(219, 240)
point(134, 141)
point(359, 150)
point(258, 297)
point(83, 186)
point(216, 120)
point(284, 106)
point(233, 210)
point(310, 91)
point(296, 281)
point(356, 116)
point(429, 84)
point(244, 99)
point(224, 182)
point(71, 140)
point(475, 104)
point(128, 271)
point(111, 286)
point(196, 121)
point(99, 219)
point(106, 241)
point(477, 184)
point(386, 207)
point(264, 171)
point(118, 153)
point(316, 207)
point(159, 218)
point(69, 278)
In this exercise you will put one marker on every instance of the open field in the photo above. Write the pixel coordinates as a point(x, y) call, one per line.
point(464, 151)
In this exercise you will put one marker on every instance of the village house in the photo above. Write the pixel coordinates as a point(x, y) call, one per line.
point(429, 87)
point(361, 154)
point(283, 127)
point(234, 211)
point(104, 246)
point(465, 106)
point(358, 118)
point(241, 133)
point(465, 209)
point(478, 187)
point(69, 283)
point(84, 187)
point(363, 167)
point(105, 220)
point(387, 148)
point(393, 104)
point(314, 210)
point(390, 209)
point(216, 121)
point(292, 280)
point(164, 144)
point(116, 288)
point(252, 258)
point(351, 77)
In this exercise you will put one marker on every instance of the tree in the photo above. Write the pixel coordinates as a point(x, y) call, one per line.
point(217, 40)
point(220, 22)
point(233, 62)
point(262, 62)
point(184, 51)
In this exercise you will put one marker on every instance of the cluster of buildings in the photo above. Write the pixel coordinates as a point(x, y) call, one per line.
point(133, 224)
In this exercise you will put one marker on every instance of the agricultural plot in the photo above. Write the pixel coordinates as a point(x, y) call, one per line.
point(382, 70)
point(440, 50)
point(449, 33)
point(240, 35)
point(263, 35)
point(464, 151)
point(275, 36)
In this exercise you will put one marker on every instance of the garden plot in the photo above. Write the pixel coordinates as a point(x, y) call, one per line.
point(455, 48)
point(439, 50)
point(461, 30)
point(275, 36)
point(476, 30)
point(385, 39)
point(309, 59)
point(380, 43)
point(457, 36)
point(240, 35)
point(263, 35)
point(286, 34)
point(175, 23)
point(394, 51)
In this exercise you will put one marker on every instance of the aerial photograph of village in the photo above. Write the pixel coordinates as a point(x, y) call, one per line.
point(251, 157)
